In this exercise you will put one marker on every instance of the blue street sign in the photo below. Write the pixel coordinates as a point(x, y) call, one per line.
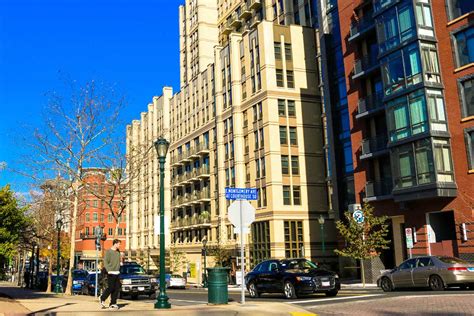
point(241, 194)
point(358, 215)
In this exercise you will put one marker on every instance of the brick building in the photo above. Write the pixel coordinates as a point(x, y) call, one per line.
point(94, 212)
point(409, 68)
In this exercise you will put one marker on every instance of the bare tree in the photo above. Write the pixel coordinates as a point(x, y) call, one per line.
point(78, 126)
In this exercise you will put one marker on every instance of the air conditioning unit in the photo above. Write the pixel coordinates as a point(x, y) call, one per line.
point(354, 207)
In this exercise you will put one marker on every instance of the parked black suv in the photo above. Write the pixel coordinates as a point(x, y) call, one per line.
point(293, 277)
point(135, 281)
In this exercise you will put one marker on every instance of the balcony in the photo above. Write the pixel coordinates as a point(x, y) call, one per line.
point(255, 4)
point(204, 171)
point(202, 148)
point(378, 190)
point(361, 28)
point(227, 29)
point(373, 147)
point(190, 222)
point(370, 105)
point(365, 66)
point(245, 11)
point(255, 21)
point(176, 159)
point(234, 20)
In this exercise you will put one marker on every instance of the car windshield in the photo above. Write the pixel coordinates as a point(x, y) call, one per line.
point(452, 260)
point(79, 274)
point(299, 264)
point(132, 270)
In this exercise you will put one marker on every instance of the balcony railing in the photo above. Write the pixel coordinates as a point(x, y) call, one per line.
point(245, 10)
point(255, 4)
point(189, 221)
point(370, 103)
point(203, 171)
point(196, 196)
point(255, 20)
point(365, 65)
point(235, 20)
point(358, 28)
point(378, 188)
point(374, 145)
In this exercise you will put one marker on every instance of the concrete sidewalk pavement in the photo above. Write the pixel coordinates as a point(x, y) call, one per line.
point(27, 302)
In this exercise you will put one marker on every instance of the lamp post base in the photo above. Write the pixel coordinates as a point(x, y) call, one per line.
point(162, 302)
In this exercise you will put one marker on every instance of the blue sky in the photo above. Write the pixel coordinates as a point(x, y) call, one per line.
point(132, 44)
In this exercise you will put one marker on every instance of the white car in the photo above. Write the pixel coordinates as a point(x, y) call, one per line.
point(177, 281)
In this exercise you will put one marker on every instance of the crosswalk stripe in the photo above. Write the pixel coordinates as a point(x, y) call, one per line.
point(333, 299)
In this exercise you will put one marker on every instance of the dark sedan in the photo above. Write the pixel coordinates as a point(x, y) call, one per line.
point(435, 272)
point(292, 277)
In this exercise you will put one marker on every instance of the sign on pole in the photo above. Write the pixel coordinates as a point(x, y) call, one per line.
point(241, 214)
point(409, 238)
point(241, 194)
point(358, 216)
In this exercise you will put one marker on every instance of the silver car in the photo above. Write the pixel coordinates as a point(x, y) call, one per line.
point(434, 272)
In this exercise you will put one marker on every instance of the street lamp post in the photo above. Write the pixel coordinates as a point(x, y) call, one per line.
point(161, 146)
point(204, 252)
point(321, 224)
point(58, 287)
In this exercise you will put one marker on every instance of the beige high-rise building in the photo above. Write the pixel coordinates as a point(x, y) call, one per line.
point(249, 118)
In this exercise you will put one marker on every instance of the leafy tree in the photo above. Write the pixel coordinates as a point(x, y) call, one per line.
point(13, 223)
point(220, 253)
point(365, 240)
point(177, 259)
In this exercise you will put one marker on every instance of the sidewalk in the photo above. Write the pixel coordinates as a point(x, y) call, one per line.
point(27, 302)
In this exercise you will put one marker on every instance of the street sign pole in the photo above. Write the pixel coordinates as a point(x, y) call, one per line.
point(242, 289)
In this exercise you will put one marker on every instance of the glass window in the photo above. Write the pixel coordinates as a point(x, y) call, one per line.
point(393, 75)
point(277, 46)
point(111, 231)
point(295, 168)
point(95, 217)
point(395, 27)
point(296, 195)
point(255, 135)
point(283, 139)
point(467, 96)
point(291, 108)
point(262, 142)
point(293, 239)
point(293, 138)
point(281, 107)
point(424, 19)
point(442, 155)
point(285, 165)
point(453, 260)
point(290, 80)
point(257, 168)
point(436, 110)
point(424, 262)
point(429, 56)
point(458, 8)
point(409, 264)
point(464, 42)
point(87, 231)
point(109, 218)
point(262, 164)
point(404, 166)
point(424, 162)
point(469, 138)
point(288, 51)
point(286, 195)
point(279, 77)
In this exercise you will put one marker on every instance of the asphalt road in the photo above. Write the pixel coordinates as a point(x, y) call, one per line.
point(312, 302)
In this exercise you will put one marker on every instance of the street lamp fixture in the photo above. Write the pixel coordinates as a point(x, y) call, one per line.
point(58, 287)
point(161, 146)
point(204, 253)
point(321, 224)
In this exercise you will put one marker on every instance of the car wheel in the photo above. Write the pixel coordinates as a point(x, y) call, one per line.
point(436, 283)
point(253, 290)
point(331, 293)
point(386, 285)
point(289, 290)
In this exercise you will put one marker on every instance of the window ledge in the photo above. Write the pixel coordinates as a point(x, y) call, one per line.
point(463, 67)
point(468, 118)
point(456, 20)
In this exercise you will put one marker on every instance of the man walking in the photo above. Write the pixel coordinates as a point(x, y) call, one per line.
point(112, 265)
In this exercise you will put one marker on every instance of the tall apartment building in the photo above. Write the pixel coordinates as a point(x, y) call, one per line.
point(252, 117)
point(94, 212)
point(409, 68)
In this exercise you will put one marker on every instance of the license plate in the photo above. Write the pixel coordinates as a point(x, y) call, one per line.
point(325, 283)
point(470, 269)
point(141, 288)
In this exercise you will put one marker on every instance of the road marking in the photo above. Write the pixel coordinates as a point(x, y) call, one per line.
point(302, 314)
point(333, 299)
point(189, 301)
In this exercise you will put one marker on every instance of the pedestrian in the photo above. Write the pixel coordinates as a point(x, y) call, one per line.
point(112, 266)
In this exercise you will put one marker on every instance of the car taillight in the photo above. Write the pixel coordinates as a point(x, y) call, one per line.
point(457, 269)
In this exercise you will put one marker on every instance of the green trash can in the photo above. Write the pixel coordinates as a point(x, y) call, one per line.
point(217, 292)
